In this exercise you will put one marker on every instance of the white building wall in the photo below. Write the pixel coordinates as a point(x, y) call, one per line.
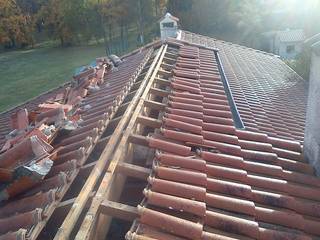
point(289, 55)
point(312, 130)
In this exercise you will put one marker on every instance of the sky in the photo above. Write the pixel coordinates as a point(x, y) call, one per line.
point(295, 14)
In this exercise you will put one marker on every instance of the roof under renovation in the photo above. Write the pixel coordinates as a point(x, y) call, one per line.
point(185, 139)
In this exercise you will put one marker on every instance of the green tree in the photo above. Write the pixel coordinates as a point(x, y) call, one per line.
point(15, 27)
point(66, 20)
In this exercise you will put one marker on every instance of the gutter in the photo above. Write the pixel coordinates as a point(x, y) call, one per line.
point(234, 110)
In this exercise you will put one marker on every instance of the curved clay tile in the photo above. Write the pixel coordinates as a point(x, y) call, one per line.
point(24, 220)
point(177, 189)
point(171, 224)
point(189, 120)
point(182, 125)
point(18, 235)
point(183, 162)
point(175, 203)
point(182, 136)
point(169, 146)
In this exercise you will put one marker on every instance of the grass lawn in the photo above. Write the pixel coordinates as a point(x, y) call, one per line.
point(27, 73)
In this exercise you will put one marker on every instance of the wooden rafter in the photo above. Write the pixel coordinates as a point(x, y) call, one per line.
point(105, 191)
point(77, 208)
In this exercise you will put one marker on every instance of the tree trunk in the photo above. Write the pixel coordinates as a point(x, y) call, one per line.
point(127, 36)
point(61, 41)
point(122, 35)
point(110, 38)
point(156, 5)
point(141, 37)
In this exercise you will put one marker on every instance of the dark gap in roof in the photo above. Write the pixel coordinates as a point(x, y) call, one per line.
point(128, 98)
point(178, 214)
point(80, 220)
point(132, 191)
point(118, 114)
point(95, 154)
point(109, 130)
point(55, 220)
point(154, 113)
point(118, 229)
point(76, 185)
point(147, 130)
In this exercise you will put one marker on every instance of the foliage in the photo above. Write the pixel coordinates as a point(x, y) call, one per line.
point(302, 63)
point(79, 21)
point(15, 27)
point(76, 21)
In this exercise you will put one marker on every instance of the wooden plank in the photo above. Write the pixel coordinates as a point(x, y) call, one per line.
point(150, 122)
point(163, 81)
point(119, 210)
point(164, 73)
point(130, 95)
point(159, 92)
point(167, 66)
point(171, 55)
point(132, 170)
point(87, 226)
point(155, 105)
point(138, 139)
point(71, 219)
point(86, 169)
point(169, 60)
point(135, 86)
point(123, 108)
point(117, 119)
point(104, 139)
point(68, 203)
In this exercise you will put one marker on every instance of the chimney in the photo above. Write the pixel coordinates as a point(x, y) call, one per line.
point(169, 26)
point(312, 129)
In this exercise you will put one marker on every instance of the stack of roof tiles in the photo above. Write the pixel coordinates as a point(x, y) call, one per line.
point(213, 181)
point(23, 216)
point(270, 96)
point(31, 105)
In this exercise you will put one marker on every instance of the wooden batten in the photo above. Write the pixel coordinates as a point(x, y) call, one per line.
point(81, 200)
point(119, 210)
point(92, 217)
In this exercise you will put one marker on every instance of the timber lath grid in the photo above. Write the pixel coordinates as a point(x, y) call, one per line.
point(88, 171)
point(144, 121)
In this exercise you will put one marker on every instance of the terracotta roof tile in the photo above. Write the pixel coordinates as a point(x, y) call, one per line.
point(211, 180)
point(22, 217)
point(270, 97)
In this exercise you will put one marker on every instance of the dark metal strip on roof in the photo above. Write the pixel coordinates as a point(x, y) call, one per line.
point(235, 113)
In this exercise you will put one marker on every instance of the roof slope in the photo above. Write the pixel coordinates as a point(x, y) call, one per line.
point(270, 96)
point(210, 180)
point(25, 215)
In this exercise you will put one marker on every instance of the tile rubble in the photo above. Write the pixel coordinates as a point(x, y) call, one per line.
point(50, 139)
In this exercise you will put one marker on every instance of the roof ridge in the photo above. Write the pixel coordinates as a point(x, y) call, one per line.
point(235, 44)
